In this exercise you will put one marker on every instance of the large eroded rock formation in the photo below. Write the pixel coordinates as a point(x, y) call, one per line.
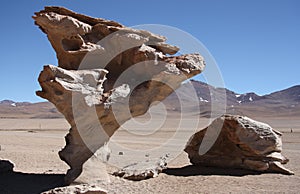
point(107, 74)
point(242, 143)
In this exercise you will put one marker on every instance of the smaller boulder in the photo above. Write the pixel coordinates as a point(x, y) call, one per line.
point(149, 168)
point(233, 141)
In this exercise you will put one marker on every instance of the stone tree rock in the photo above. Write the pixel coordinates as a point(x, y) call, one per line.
point(107, 74)
point(242, 143)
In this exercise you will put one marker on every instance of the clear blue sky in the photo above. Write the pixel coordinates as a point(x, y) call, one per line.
point(256, 43)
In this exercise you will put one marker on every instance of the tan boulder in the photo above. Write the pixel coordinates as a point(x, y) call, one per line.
point(238, 142)
point(144, 169)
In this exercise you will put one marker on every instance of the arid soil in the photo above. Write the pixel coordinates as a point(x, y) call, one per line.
point(32, 145)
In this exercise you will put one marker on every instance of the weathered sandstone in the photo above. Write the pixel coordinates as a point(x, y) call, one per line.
point(240, 142)
point(107, 74)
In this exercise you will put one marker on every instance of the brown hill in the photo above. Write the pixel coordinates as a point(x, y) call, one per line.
point(11, 109)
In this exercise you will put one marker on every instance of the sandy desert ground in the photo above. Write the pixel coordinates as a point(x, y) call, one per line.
point(32, 145)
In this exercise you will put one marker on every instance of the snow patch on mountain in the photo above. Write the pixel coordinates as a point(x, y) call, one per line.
point(203, 100)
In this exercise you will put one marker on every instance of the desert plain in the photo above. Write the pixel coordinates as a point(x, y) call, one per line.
point(32, 146)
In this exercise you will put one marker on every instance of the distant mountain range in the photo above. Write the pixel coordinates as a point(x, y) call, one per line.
point(11, 109)
point(284, 103)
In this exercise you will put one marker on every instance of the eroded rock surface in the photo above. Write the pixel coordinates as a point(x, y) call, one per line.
point(242, 143)
point(77, 189)
point(107, 74)
point(143, 170)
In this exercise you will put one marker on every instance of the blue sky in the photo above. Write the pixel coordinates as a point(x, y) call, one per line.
point(256, 43)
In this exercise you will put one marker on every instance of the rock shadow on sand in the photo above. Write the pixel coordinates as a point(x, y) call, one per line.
point(12, 182)
point(195, 170)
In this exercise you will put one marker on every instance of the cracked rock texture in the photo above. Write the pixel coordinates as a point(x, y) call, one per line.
point(107, 74)
point(242, 143)
point(144, 169)
point(77, 189)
